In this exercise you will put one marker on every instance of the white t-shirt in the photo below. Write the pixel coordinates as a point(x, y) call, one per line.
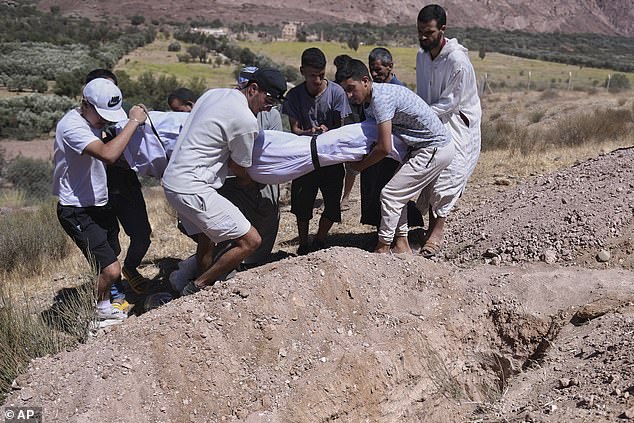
point(79, 179)
point(221, 126)
point(412, 119)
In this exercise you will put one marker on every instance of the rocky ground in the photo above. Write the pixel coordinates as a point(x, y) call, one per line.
point(519, 320)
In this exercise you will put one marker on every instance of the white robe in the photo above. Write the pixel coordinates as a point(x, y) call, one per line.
point(448, 84)
point(282, 156)
point(277, 156)
point(145, 153)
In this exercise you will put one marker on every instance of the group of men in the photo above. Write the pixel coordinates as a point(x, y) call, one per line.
point(207, 181)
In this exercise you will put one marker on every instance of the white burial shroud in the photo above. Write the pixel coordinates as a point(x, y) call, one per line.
point(277, 156)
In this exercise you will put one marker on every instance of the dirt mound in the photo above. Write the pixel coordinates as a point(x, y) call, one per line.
point(339, 335)
point(566, 217)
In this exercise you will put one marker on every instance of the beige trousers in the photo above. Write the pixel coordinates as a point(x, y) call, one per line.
point(419, 170)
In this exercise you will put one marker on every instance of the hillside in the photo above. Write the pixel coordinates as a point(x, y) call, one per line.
point(614, 17)
point(343, 335)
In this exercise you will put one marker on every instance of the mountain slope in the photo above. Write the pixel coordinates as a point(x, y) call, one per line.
point(615, 17)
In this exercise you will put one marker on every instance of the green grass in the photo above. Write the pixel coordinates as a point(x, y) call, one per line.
point(155, 58)
point(509, 71)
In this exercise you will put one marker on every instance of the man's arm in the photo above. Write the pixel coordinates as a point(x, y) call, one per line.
point(297, 129)
point(110, 152)
point(381, 149)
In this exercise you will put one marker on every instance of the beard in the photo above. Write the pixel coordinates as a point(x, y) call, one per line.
point(429, 46)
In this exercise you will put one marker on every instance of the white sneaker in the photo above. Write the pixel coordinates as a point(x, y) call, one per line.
point(187, 270)
point(112, 314)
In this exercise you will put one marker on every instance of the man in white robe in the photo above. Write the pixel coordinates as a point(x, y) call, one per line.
point(446, 80)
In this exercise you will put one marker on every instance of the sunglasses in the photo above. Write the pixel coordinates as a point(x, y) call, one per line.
point(274, 101)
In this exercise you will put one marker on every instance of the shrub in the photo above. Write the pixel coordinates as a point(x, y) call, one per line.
point(137, 19)
point(536, 116)
point(30, 240)
point(185, 58)
point(32, 176)
point(602, 125)
point(175, 46)
point(28, 116)
point(618, 83)
point(25, 334)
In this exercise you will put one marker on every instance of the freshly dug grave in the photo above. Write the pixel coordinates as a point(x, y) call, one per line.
point(339, 335)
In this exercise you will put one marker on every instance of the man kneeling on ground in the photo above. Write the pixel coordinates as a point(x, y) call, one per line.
point(217, 136)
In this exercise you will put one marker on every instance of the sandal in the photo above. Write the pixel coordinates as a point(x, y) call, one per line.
point(431, 249)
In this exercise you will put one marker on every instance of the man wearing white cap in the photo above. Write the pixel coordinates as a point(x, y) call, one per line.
point(79, 180)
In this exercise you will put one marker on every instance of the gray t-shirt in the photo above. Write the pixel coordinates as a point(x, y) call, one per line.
point(78, 179)
point(412, 119)
point(270, 120)
point(220, 126)
point(327, 108)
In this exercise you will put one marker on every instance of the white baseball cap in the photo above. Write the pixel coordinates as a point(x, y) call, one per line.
point(107, 99)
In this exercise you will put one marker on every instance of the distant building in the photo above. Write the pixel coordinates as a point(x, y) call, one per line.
point(214, 32)
point(289, 31)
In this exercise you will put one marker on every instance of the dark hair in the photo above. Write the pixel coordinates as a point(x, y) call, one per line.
point(354, 69)
point(185, 95)
point(433, 12)
point(101, 73)
point(341, 60)
point(314, 58)
point(381, 54)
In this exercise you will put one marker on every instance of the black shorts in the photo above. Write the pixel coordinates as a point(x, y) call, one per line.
point(329, 180)
point(94, 230)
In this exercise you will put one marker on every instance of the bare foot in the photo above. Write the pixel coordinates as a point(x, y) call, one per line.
point(382, 248)
point(401, 245)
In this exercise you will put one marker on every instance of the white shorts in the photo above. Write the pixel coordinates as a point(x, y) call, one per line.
point(210, 213)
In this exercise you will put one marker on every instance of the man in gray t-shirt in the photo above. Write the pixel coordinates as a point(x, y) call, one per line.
point(398, 111)
point(313, 107)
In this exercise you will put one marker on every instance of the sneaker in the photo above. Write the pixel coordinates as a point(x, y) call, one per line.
point(303, 250)
point(187, 270)
point(121, 304)
point(112, 314)
point(190, 288)
point(138, 283)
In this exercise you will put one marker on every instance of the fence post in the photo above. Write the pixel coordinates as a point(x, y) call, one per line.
point(529, 81)
point(607, 87)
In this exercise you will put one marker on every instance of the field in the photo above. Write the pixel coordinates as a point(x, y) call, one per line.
point(156, 59)
point(503, 72)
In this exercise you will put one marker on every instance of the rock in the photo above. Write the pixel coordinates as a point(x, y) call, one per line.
point(242, 292)
point(549, 256)
point(594, 310)
point(628, 414)
point(502, 181)
point(603, 256)
point(564, 383)
point(26, 395)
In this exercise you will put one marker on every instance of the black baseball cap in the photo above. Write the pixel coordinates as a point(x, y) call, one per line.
point(270, 80)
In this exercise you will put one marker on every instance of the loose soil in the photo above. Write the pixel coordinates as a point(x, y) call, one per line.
point(516, 321)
